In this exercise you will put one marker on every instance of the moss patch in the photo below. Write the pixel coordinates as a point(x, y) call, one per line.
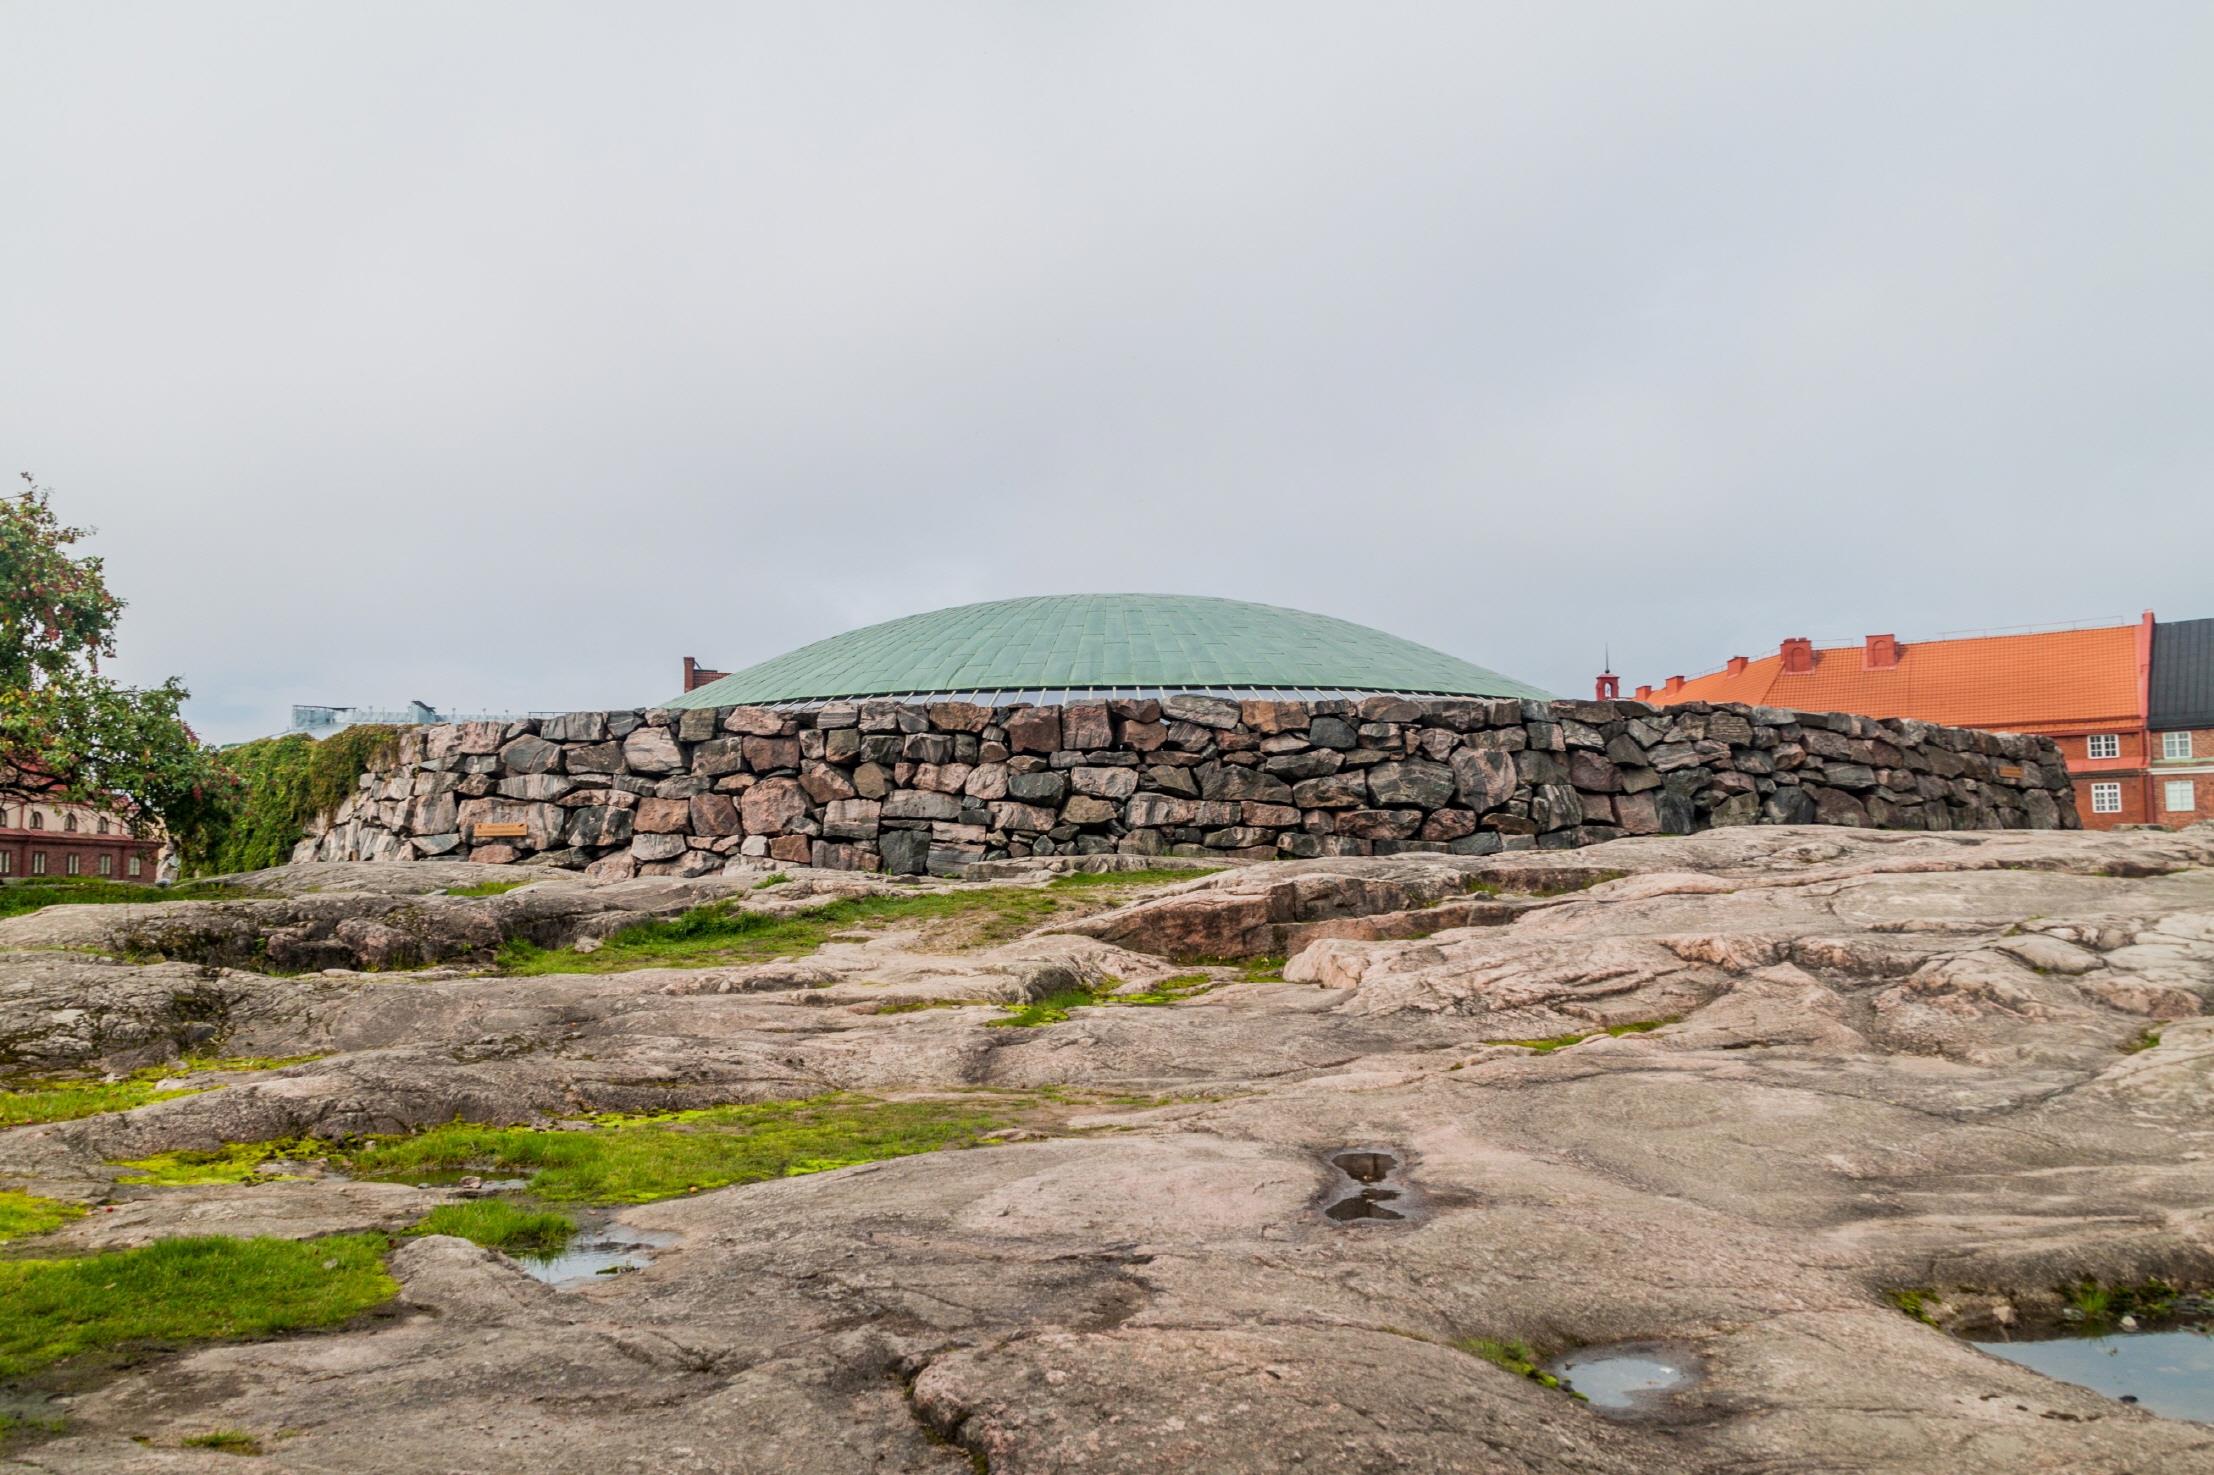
point(721, 933)
point(1613, 1031)
point(24, 1214)
point(178, 1290)
point(487, 888)
point(234, 1162)
point(67, 1100)
point(2145, 1041)
point(1515, 1357)
point(635, 1159)
point(499, 1225)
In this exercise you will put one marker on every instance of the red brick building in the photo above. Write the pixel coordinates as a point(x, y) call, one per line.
point(2135, 759)
point(41, 838)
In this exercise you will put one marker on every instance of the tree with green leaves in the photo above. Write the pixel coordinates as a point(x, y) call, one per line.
point(67, 733)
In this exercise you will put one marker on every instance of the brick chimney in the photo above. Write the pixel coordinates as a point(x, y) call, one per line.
point(1880, 653)
point(697, 675)
point(1798, 656)
point(1607, 687)
point(1644, 692)
point(1736, 665)
point(1675, 684)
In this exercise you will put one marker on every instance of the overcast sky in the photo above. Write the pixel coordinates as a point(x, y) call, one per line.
point(503, 355)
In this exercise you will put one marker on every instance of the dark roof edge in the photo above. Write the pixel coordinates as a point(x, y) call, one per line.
point(2181, 693)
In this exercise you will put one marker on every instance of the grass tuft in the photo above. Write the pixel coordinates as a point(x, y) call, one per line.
point(767, 881)
point(224, 1441)
point(2145, 1041)
point(177, 1290)
point(499, 1225)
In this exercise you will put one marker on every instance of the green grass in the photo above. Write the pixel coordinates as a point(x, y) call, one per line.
point(722, 933)
point(499, 1225)
point(1515, 1357)
point(18, 898)
point(2098, 1306)
point(13, 1424)
point(767, 881)
point(1153, 876)
point(1561, 1042)
point(486, 888)
point(234, 1162)
point(180, 1290)
point(24, 1214)
point(635, 1159)
point(1052, 1009)
point(225, 1441)
point(2145, 1041)
point(67, 1100)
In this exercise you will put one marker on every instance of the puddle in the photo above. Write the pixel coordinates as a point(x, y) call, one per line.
point(2168, 1373)
point(1370, 1187)
point(1367, 1204)
point(1631, 1377)
point(597, 1251)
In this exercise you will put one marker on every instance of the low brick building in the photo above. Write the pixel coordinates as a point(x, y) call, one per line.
point(2089, 690)
point(41, 838)
point(2179, 770)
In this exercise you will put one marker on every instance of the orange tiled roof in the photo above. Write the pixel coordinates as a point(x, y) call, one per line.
point(2057, 681)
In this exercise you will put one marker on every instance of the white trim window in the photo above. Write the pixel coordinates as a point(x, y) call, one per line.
point(134, 865)
point(76, 864)
point(2106, 798)
point(2177, 796)
point(107, 865)
point(7, 862)
point(2103, 745)
point(2175, 745)
point(38, 862)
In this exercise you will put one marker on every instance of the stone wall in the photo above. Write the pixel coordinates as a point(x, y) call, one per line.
point(882, 785)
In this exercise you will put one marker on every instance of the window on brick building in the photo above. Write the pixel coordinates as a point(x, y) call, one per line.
point(2105, 745)
point(2106, 798)
point(76, 864)
point(103, 825)
point(134, 865)
point(7, 861)
point(38, 821)
point(69, 824)
point(107, 865)
point(2175, 745)
point(2179, 798)
point(38, 862)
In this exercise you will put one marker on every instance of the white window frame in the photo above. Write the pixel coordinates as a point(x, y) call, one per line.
point(2179, 788)
point(2175, 745)
point(107, 865)
point(38, 862)
point(7, 862)
point(75, 863)
point(134, 865)
point(2103, 745)
point(2106, 798)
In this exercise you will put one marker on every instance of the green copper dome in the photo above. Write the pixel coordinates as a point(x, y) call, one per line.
point(1057, 646)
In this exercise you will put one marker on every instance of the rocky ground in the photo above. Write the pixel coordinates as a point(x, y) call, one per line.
point(1973, 1066)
